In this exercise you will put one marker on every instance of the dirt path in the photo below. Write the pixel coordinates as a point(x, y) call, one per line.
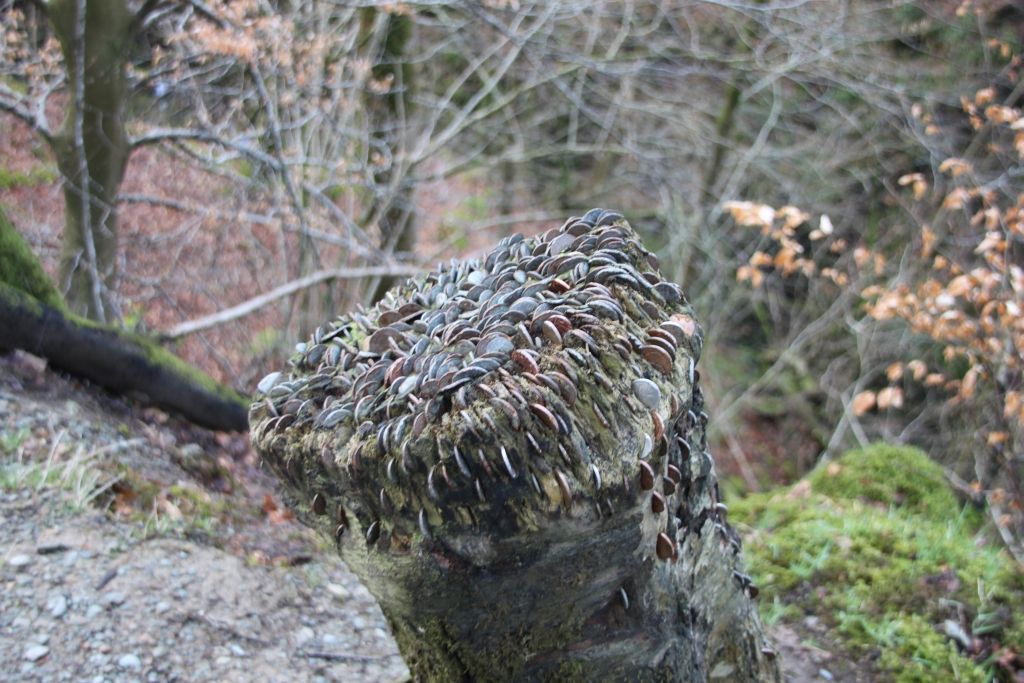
point(120, 564)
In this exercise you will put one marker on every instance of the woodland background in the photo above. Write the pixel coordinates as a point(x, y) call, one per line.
point(837, 185)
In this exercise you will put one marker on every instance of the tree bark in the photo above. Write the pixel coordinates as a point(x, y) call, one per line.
point(92, 147)
point(117, 360)
point(511, 454)
point(383, 38)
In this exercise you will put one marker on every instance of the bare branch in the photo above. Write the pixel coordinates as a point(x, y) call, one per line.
point(158, 135)
point(11, 103)
point(311, 280)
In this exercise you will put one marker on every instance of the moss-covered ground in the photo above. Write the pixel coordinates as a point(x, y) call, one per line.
point(876, 546)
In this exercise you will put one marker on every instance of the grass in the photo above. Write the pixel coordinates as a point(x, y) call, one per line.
point(878, 548)
point(77, 475)
point(179, 509)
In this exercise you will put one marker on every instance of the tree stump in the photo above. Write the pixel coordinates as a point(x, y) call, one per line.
point(511, 455)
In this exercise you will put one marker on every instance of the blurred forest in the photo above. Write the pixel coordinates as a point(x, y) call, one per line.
point(836, 184)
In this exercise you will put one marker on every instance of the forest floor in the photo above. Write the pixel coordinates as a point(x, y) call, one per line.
point(138, 547)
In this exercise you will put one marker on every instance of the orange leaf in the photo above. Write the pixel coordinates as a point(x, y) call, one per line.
point(997, 438)
point(863, 402)
point(268, 503)
point(890, 397)
point(917, 368)
point(894, 371)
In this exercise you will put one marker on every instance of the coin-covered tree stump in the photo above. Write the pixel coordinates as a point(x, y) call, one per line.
point(511, 454)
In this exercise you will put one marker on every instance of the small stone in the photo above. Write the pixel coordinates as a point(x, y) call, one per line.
point(112, 599)
point(19, 562)
point(33, 653)
point(129, 662)
point(93, 611)
point(339, 592)
point(57, 605)
point(304, 635)
point(237, 650)
point(647, 392)
point(163, 607)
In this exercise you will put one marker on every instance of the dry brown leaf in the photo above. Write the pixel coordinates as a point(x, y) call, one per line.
point(890, 397)
point(918, 369)
point(894, 371)
point(955, 166)
point(750, 214)
point(863, 402)
point(997, 438)
point(955, 199)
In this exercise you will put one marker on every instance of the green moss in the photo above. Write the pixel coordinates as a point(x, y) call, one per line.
point(39, 175)
point(876, 546)
point(20, 268)
point(158, 355)
point(920, 654)
point(888, 475)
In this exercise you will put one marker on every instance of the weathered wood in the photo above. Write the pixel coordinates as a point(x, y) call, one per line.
point(511, 454)
point(117, 360)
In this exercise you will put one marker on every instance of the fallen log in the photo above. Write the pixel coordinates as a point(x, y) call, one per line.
point(117, 360)
point(33, 318)
point(511, 454)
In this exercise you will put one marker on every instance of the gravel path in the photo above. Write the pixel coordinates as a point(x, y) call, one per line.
point(95, 589)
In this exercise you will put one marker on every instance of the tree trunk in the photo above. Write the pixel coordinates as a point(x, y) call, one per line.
point(92, 148)
point(512, 456)
point(383, 38)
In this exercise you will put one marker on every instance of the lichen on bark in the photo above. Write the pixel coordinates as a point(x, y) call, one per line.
point(511, 454)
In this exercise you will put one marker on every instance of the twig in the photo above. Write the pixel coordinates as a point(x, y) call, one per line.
point(736, 450)
point(225, 627)
point(158, 135)
point(106, 578)
point(345, 656)
point(247, 307)
point(1010, 542)
point(974, 496)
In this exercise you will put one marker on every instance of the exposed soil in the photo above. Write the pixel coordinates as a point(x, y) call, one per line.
point(126, 565)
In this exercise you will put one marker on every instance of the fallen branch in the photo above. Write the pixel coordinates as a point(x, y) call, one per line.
point(117, 360)
point(254, 304)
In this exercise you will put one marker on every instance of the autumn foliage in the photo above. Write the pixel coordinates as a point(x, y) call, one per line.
point(956, 283)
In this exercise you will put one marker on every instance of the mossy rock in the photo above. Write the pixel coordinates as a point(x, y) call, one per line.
point(876, 546)
point(20, 268)
point(889, 476)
